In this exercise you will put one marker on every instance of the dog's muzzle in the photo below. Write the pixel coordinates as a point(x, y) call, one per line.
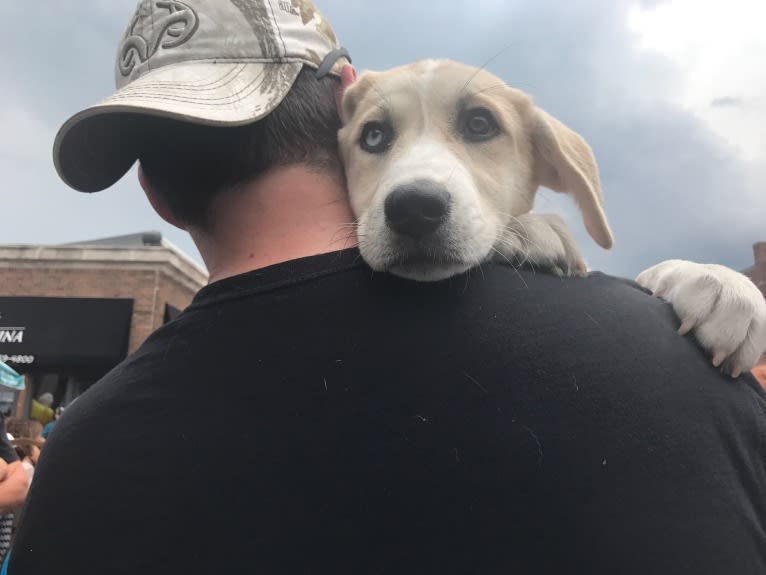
point(418, 209)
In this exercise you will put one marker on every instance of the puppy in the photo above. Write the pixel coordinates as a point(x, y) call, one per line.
point(443, 162)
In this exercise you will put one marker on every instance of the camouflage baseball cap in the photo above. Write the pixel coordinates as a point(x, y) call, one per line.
point(213, 62)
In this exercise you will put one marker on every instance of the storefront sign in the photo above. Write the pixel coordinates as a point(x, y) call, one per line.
point(11, 334)
point(52, 333)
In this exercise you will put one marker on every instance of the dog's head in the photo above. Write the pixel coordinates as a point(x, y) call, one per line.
point(440, 157)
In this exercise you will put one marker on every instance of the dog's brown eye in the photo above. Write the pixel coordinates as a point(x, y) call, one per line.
point(376, 137)
point(478, 125)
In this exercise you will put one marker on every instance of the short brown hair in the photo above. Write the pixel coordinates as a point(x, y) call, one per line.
point(187, 164)
point(23, 428)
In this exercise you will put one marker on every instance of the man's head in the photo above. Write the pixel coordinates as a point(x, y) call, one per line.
point(210, 94)
point(188, 165)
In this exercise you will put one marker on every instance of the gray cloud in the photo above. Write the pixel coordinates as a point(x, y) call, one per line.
point(649, 4)
point(54, 66)
point(727, 102)
point(672, 188)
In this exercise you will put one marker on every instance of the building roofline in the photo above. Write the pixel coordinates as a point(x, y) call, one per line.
point(137, 240)
point(90, 256)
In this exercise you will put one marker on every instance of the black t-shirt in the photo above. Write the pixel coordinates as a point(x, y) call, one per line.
point(316, 417)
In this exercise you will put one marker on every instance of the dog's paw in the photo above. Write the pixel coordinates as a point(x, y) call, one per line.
point(542, 242)
point(723, 308)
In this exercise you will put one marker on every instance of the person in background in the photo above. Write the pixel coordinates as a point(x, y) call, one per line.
point(28, 452)
point(51, 424)
point(21, 428)
point(27, 441)
point(14, 485)
point(41, 409)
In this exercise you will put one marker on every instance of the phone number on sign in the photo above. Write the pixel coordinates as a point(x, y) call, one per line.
point(17, 358)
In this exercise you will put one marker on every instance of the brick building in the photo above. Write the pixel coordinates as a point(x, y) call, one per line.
point(69, 313)
point(757, 273)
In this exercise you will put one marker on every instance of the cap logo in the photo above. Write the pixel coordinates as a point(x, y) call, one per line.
point(288, 8)
point(171, 24)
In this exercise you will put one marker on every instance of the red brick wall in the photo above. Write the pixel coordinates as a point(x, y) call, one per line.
point(758, 274)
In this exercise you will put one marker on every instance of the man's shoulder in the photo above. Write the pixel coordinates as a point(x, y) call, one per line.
point(491, 301)
point(341, 281)
point(522, 295)
point(595, 284)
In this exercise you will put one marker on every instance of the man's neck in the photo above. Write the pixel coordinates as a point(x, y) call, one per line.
point(288, 213)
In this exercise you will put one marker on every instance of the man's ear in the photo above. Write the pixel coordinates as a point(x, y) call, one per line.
point(347, 77)
point(157, 202)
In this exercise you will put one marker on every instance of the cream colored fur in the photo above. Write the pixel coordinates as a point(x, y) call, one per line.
point(723, 308)
point(491, 185)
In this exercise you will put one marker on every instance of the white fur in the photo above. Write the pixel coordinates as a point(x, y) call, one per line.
point(470, 229)
point(723, 308)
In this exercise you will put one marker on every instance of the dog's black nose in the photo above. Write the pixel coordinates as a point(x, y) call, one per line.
point(417, 209)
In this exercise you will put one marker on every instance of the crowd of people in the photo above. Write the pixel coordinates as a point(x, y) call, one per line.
point(21, 442)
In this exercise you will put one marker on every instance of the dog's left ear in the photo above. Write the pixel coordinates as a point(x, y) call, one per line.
point(564, 163)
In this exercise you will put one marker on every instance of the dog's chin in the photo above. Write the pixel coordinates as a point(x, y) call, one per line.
point(426, 260)
point(428, 272)
point(427, 267)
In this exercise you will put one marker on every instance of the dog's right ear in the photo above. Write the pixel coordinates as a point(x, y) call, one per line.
point(352, 94)
point(564, 163)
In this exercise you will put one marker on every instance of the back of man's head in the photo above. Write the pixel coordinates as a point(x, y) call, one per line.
point(210, 94)
point(189, 164)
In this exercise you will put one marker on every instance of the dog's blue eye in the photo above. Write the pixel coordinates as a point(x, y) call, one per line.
point(479, 125)
point(376, 137)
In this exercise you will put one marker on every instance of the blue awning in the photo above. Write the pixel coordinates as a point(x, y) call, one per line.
point(9, 378)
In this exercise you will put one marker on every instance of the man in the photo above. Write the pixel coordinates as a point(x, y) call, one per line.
point(502, 422)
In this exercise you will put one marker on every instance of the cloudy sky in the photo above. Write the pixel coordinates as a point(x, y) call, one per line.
point(671, 94)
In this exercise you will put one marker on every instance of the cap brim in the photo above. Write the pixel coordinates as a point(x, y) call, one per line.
point(97, 146)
